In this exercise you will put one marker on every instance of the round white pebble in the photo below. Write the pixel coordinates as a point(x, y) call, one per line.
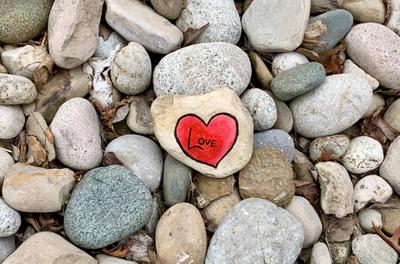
point(12, 120)
point(285, 61)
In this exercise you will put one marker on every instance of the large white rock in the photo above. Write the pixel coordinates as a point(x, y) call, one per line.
point(76, 130)
point(48, 248)
point(375, 49)
point(221, 17)
point(218, 117)
point(137, 22)
point(201, 68)
point(338, 103)
point(256, 231)
point(268, 28)
point(37, 190)
point(73, 31)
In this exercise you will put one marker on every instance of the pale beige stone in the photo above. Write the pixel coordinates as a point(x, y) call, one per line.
point(73, 30)
point(5, 162)
point(167, 110)
point(371, 189)
point(37, 190)
point(366, 10)
point(48, 248)
point(377, 102)
point(16, 90)
point(392, 116)
point(350, 67)
point(209, 189)
point(181, 236)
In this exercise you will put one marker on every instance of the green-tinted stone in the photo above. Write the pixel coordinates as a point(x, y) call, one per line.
point(22, 20)
point(298, 80)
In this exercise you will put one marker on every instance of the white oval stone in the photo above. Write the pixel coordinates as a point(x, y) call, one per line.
point(371, 189)
point(15, 90)
point(308, 217)
point(368, 218)
point(76, 130)
point(337, 195)
point(12, 121)
point(272, 31)
point(141, 155)
point(337, 104)
point(221, 17)
point(285, 61)
point(10, 220)
point(320, 254)
point(390, 167)
point(375, 48)
point(131, 69)
point(363, 155)
point(261, 107)
point(200, 68)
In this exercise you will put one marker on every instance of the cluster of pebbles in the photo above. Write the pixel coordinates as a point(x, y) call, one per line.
point(199, 131)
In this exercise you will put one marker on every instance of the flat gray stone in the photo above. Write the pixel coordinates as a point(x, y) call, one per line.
point(256, 231)
point(201, 68)
point(338, 103)
point(275, 138)
point(221, 17)
point(371, 249)
point(110, 203)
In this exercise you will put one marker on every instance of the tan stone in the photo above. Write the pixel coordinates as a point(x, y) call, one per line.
point(209, 189)
point(73, 30)
point(261, 71)
point(37, 190)
point(167, 110)
point(181, 236)
point(48, 248)
point(268, 175)
point(366, 10)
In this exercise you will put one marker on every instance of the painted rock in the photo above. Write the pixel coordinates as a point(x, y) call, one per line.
point(211, 133)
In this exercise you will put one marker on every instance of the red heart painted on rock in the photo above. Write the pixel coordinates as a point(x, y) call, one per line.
point(207, 143)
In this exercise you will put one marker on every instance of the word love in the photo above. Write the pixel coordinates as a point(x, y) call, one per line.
point(207, 143)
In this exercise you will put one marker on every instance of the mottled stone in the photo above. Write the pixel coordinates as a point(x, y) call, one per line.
point(202, 68)
point(366, 10)
point(177, 179)
point(286, 61)
point(12, 121)
point(298, 80)
point(131, 69)
point(338, 103)
point(170, 9)
point(255, 230)
point(37, 190)
point(10, 220)
point(275, 138)
point(48, 248)
point(337, 196)
point(208, 189)
point(329, 148)
point(371, 189)
point(363, 155)
point(319, 6)
point(137, 22)
point(374, 48)
point(340, 251)
point(16, 90)
point(108, 204)
point(221, 18)
point(23, 20)
point(308, 217)
point(368, 218)
point(320, 254)
point(272, 180)
point(139, 118)
point(261, 21)
point(261, 107)
point(181, 236)
point(140, 154)
point(371, 249)
point(76, 130)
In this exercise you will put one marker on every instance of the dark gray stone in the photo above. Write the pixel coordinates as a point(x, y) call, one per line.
point(109, 204)
point(275, 138)
point(298, 80)
point(22, 20)
point(338, 22)
point(176, 181)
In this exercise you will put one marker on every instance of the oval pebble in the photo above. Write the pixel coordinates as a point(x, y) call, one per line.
point(391, 116)
point(76, 130)
point(286, 61)
point(329, 148)
point(368, 218)
point(277, 139)
point(201, 68)
point(15, 89)
point(5, 162)
point(375, 49)
point(363, 155)
point(107, 205)
point(10, 220)
point(390, 167)
point(220, 17)
point(371, 189)
point(170, 9)
point(131, 69)
point(337, 104)
point(261, 107)
point(12, 121)
point(320, 254)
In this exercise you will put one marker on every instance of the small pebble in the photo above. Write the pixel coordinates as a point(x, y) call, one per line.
point(284, 120)
point(261, 107)
point(10, 220)
point(340, 251)
point(261, 71)
point(139, 118)
point(363, 155)
point(170, 9)
point(378, 102)
point(329, 148)
point(12, 121)
point(390, 166)
point(366, 10)
point(275, 138)
point(368, 218)
point(391, 116)
point(5, 162)
point(15, 89)
point(371, 189)
point(286, 61)
point(104, 259)
point(7, 246)
point(320, 254)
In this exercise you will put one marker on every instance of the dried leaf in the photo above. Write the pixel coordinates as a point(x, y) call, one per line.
point(36, 150)
point(393, 241)
point(120, 251)
point(308, 190)
point(42, 74)
point(33, 222)
point(312, 35)
point(110, 159)
point(22, 146)
point(78, 175)
point(192, 34)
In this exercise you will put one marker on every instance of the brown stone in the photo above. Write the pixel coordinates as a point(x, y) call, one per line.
point(209, 189)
